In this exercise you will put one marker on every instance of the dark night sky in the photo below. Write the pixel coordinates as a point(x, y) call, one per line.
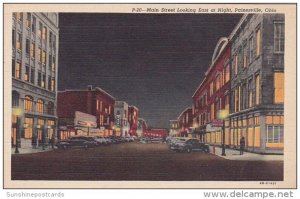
point(154, 62)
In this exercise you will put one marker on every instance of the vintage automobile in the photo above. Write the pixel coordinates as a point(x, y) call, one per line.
point(189, 145)
point(78, 141)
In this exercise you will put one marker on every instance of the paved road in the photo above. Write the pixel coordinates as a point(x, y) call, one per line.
point(137, 161)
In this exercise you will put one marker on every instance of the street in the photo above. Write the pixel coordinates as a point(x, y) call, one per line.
point(141, 162)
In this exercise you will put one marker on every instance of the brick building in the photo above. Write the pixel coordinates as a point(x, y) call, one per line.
point(96, 102)
point(213, 95)
point(257, 83)
point(185, 122)
point(34, 76)
point(133, 113)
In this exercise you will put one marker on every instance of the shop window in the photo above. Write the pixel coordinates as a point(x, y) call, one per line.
point(250, 136)
point(28, 130)
point(278, 87)
point(257, 136)
point(275, 134)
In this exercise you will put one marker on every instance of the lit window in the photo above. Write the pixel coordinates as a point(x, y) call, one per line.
point(19, 16)
point(28, 102)
point(28, 20)
point(44, 33)
point(19, 41)
point(278, 37)
point(26, 74)
point(52, 85)
point(212, 111)
point(211, 89)
point(18, 70)
point(32, 50)
point(44, 57)
point(250, 95)
point(28, 130)
point(40, 30)
point(218, 82)
point(227, 73)
point(257, 89)
point(40, 54)
point(235, 64)
point(258, 42)
point(40, 106)
point(278, 87)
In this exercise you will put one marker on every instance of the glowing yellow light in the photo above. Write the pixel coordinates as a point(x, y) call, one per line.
point(17, 111)
point(223, 114)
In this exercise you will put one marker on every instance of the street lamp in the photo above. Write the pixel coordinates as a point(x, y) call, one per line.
point(222, 115)
point(17, 112)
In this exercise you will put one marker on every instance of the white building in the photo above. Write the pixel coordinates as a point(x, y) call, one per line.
point(121, 118)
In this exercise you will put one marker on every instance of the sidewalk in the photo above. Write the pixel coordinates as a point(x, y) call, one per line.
point(232, 154)
point(27, 150)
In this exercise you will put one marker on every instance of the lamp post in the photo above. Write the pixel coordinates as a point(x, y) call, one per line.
point(17, 112)
point(222, 115)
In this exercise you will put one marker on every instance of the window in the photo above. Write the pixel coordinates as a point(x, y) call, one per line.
point(18, 70)
point(278, 37)
point(251, 49)
point(212, 111)
point(245, 55)
point(50, 108)
point(237, 96)
point(52, 85)
point(218, 82)
point(39, 79)
point(15, 99)
point(240, 59)
point(19, 16)
point(28, 102)
point(50, 61)
point(40, 29)
point(26, 74)
point(227, 73)
point(19, 41)
point(32, 75)
point(275, 134)
point(28, 20)
point(44, 33)
point(43, 81)
point(32, 50)
point(257, 89)
point(50, 39)
point(227, 103)
point(235, 64)
point(49, 82)
point(14, 38)
point(13, 70)
point(40, 106)
point(40, 54)
point(53, 64)
point(278, 87)
point(258, 42)
point(33, 24)
point(211, 88)
point(27, 46)
point(44, 57)
point(244, 96)
point(28, 130)
point(250, 95)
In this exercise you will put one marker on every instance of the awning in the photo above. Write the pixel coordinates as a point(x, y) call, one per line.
point(210, 128)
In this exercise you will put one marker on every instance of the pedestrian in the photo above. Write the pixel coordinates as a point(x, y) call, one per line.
point(242, 145)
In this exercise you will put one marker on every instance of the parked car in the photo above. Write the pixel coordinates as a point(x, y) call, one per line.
point(190, 145)
point(80, 141)
point(144, 140)
point(156, 140)
point(101, 140)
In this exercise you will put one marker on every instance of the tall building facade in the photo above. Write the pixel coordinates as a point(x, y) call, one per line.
point(34, 78)
point(212, 96)
point(257, 83)
point(142, 127)
point(121, 119)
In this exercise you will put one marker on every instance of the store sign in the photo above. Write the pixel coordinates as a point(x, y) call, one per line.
point(84, 120)
point(210, 128)
point(217, 123)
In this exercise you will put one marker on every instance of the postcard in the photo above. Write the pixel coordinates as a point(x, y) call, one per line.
point(149, 96)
